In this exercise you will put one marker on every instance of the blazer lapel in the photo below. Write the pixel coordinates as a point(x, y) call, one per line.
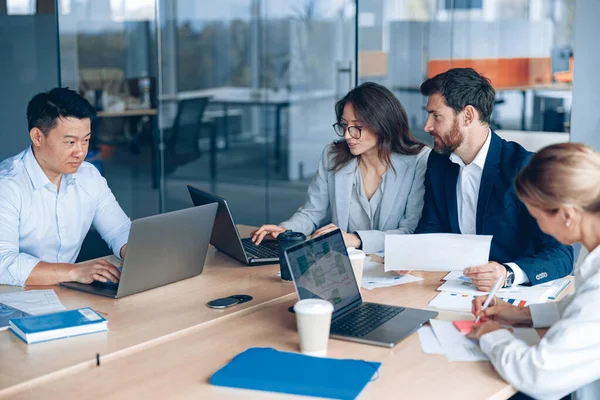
point(343, 183)
point(392, 185)
point(488, 178)
point(451, 181)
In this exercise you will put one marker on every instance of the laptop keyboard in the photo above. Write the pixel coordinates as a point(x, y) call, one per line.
point(106, 285)
point(361, 321)
point(263, 250)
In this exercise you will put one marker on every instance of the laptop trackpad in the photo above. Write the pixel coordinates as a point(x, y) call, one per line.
point(399, 327)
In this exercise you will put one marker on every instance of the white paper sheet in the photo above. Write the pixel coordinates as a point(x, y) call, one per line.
point(375, 277)
point(436, 251)
point(34, 302)
point(462, 302)
point(456, 346)
point(429, 343)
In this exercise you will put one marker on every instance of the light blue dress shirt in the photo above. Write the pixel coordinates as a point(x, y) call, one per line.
point(37, 223)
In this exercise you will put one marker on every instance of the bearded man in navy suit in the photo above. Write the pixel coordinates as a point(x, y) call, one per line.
point(469, 185)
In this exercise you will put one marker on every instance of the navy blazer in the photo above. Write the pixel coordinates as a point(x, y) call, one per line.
point(517, 236)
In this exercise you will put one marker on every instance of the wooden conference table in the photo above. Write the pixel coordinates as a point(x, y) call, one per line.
point(165, 343)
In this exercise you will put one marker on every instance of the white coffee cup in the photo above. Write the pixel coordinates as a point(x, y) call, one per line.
point(357, 259)
point(313, 317)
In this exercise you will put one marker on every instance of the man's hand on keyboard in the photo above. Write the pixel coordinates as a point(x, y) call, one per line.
point(95, 270)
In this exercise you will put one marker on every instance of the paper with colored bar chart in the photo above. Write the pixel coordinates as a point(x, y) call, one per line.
point(533, 294)
point(462, 302)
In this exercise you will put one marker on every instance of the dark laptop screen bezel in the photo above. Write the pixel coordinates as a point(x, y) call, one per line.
point(223, 241)
point(356, 300)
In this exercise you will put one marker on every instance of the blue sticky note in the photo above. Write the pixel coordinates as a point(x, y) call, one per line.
point(278, 371)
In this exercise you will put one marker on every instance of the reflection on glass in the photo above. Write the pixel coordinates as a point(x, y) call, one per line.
point(271, 72)
point(518, 44)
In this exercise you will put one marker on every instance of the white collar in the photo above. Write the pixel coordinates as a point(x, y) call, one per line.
point(38, 177)
point(480, 158)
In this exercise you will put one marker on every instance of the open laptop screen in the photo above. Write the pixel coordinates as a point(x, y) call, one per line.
point(321, 269)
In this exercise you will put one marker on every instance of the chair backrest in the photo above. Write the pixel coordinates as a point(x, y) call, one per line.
point(186, 127)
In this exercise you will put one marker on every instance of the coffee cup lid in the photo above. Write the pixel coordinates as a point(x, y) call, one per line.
point(313, 306)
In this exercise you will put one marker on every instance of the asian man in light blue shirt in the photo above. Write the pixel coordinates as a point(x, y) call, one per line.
point(50, 197)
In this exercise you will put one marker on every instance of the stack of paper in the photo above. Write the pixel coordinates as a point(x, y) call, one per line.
point(375, 277)
point(34, 302)
point(443, 338)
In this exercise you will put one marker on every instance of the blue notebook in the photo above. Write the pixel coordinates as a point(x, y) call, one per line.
point(58, 325)
point(278, 371)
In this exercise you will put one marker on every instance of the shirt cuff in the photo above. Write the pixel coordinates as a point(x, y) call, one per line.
point(17, 273)
point(520, 275)
point(544, 315)
point(120, 241)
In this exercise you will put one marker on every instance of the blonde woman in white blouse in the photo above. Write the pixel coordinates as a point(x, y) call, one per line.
point(561, 189)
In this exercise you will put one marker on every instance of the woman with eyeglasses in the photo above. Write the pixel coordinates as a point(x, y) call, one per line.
point(370, 182)
point(561, 189)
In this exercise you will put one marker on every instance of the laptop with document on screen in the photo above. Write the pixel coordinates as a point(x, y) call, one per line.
point(321, 268)
point(226, 238)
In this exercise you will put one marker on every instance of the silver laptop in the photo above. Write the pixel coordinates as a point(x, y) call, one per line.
point(321, 268)
point(226, 238)
point(162, 249)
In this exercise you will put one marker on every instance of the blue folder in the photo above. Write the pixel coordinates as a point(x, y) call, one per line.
point(278, 371)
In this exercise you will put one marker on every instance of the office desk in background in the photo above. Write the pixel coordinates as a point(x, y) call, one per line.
point(246, 96)
point(137, 321)
point(139, 112)
point(541, 87)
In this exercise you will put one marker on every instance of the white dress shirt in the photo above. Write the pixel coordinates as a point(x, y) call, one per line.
point(39, 223)
point(567, 358)
point(467, 195)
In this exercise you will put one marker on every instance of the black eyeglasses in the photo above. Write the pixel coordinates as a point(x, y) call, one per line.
point(354, 131)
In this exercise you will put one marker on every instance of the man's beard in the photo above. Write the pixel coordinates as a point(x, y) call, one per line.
point(449, 144)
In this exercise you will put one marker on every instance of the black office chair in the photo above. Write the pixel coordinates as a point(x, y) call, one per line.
point(181, 141)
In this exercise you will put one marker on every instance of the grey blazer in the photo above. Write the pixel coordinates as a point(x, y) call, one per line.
point(329, 199)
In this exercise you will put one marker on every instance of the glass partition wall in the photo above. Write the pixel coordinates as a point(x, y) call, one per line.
point(247, 98)
point(523, 46)
point(237, 97)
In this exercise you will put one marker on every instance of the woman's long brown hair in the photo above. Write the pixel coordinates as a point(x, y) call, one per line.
point(382, 114)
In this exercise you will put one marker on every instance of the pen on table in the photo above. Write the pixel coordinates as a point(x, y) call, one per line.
point(491, 295)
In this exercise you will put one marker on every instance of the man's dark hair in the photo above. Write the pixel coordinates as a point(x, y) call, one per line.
point(461, 87)
point(45, 108)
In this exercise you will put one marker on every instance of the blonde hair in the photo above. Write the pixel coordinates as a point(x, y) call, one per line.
point(562, 174)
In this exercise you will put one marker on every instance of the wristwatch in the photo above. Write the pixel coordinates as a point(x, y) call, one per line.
point(510, 276)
